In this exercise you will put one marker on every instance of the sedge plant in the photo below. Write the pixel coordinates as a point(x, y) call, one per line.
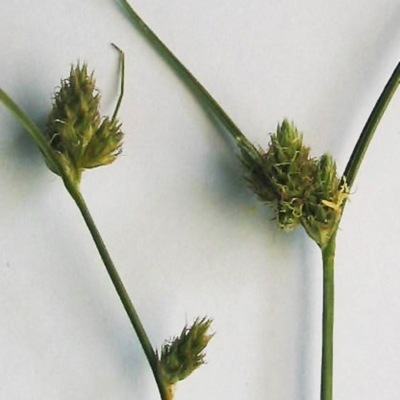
point(303, 190)
point(78, 138)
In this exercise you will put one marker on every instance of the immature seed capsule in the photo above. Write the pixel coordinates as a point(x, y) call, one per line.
point(75, 130)
point(325, 198)
point(282, 175)
point(301, 189)
point(185, 353)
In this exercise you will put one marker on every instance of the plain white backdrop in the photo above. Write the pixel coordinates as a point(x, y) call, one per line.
point(187, 236)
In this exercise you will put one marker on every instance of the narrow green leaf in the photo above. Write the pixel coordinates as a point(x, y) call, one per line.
point(197, 88)
point(369, 129)
point(32, 129)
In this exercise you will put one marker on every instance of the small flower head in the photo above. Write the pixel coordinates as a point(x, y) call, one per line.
point(301, 189)
point(281, 175)
point(75, 130)
point(185, 353)
point(325, 198)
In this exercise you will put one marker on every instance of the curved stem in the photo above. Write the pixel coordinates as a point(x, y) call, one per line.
point(120, 288)
point(328, 256)
point(369, 129)
point(198, 89)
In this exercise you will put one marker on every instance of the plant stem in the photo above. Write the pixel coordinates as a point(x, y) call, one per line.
point(198, 89)
point(33, 130)
point(73, 189)
point(120, 288)
point(328, 256)
point(369, 129)
point(328, 252)
point(122, 86)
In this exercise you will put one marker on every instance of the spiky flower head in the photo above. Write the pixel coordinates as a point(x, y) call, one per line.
point(185, 353)
point(81, 138)
point(282, 175)
point(325, 198)
point(301, 189)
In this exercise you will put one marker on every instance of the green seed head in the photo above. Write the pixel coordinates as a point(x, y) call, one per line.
point(282, 175)
point(75, 130)
point(325, 199)
point(288, 163)
point(185, 353)
point(301, 189)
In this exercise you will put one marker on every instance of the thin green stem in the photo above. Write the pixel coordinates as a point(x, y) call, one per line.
point(33, 130)
point(72, 188)
point(50, 156)
point(328, 252)
point(328, 256)
point(369, 129)
point(120, 288)
point(198, 89)
point(122, 87)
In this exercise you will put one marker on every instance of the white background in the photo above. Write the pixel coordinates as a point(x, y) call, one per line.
point(188, 237)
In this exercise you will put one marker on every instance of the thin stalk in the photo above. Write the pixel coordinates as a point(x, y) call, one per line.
point(369, 129)
point(197, 88)
point(120, 288)
point(328, 256)
point(33, 130)
point(72, 188)
point(122, 84)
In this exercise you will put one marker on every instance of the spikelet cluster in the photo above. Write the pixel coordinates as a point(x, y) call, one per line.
point(81, 138)
point(301, 189)
point(185, 353)
point(323, 208)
